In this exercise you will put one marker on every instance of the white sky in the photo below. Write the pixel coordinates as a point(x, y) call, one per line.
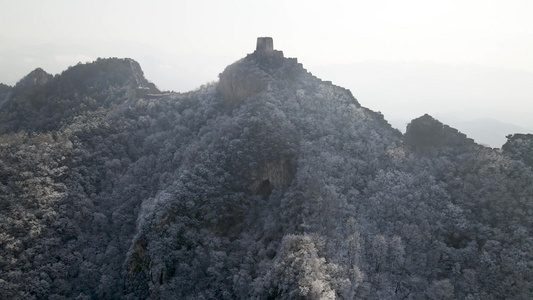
point(386, 51)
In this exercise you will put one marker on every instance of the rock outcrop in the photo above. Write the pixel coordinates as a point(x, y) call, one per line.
point(250, 75)
point(35, 78)
point(270, 175)
point(426, 131)
point(520, 147)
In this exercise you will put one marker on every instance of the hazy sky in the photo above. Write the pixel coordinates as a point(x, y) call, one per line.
point(399, 57)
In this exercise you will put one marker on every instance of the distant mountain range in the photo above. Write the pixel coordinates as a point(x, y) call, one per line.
point(454, 93)
point(270, 183)
point(488, 131)
point(485, 131)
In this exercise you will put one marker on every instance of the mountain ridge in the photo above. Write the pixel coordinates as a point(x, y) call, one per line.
point(41, 101)
point(39, 78)
point(269, 184)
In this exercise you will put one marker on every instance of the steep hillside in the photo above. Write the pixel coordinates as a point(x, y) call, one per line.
point(520, 147)
point(268, 184)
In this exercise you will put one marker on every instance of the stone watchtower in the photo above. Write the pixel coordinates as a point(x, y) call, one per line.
point(264, 44)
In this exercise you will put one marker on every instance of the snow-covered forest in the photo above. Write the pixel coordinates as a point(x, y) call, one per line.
point(267, 184)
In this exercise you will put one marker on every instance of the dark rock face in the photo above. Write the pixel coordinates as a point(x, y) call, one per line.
point(240, 81)
point(273, 174)
point(426, 131)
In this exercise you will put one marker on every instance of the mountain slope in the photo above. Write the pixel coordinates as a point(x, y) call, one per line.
point(269, 184)
point(41, 102)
